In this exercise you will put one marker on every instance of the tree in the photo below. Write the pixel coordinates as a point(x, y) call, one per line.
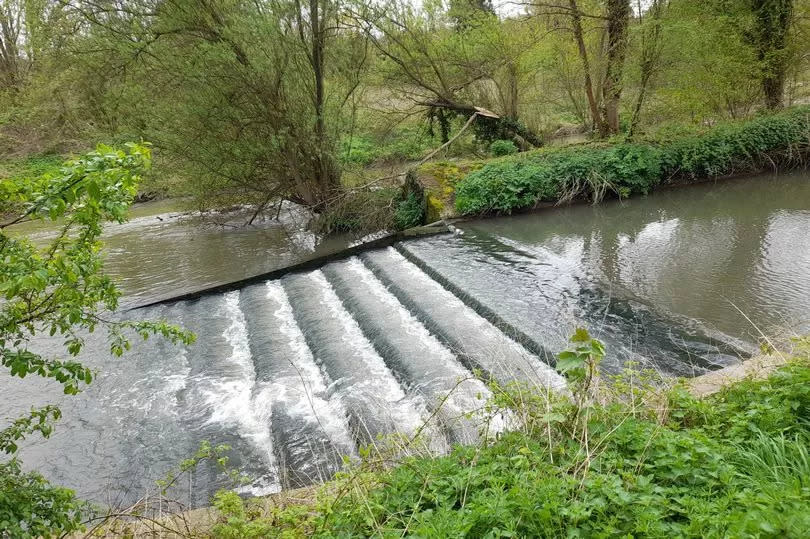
point(61, 289)
point(770, 38)
point(251, 95)
point(649, 55)
point(444, 69)
point(12, 32)
point(618, 20)
point(615, 16)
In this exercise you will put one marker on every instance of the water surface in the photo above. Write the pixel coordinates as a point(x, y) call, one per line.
point(296, 373)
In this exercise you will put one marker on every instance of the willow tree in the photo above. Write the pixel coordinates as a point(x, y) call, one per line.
point(246, 97)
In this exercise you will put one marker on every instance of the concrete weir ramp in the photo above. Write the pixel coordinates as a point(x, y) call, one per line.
point(391, 347)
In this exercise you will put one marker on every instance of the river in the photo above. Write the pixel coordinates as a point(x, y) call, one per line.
point(295, 373)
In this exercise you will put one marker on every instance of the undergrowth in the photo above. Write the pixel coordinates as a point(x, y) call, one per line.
point(619, 459)
point(628, 168)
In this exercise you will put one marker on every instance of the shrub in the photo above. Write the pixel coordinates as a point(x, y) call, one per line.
point(635, 168)
point(410, 212)
point(500, 148)
point(32, 507)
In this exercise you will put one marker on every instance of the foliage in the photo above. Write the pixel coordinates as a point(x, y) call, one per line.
point(240, 119)
point(237, 523)
point(618, 470)
point(59, 288)
point(400, 145)
point(412, 206)
point(32, 507)
point(410, 212)
point(499, 148)
point(627, 168)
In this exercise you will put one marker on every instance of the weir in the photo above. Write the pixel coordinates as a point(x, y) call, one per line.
point(300, 367)
point(314, 364)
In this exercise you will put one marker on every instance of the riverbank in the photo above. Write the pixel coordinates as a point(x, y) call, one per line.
point(630, 461)
point(593, 171)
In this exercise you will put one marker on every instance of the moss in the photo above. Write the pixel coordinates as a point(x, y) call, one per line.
point(435, 208)
point(440, 179)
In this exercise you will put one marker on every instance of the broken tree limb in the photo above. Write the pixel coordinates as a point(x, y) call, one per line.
point(449, 142)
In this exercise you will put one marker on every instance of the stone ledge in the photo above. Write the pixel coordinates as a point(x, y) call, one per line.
point(756, 368)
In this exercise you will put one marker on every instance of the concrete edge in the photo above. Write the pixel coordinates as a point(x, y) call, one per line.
point(756, 368)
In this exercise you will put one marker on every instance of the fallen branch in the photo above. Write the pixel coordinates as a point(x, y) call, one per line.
point(449, 142)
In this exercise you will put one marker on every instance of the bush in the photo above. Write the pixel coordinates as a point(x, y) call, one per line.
point(410, 212)
point(500, 148)
point(635, 168)
point(32, 507)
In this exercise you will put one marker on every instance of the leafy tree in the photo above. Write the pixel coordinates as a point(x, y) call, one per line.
point(252, 96)
point(60, 289)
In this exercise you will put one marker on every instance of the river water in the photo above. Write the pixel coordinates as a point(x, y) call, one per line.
point(298, 372)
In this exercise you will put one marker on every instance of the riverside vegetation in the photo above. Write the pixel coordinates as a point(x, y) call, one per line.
point(780, 141)
point(621, 457)
point(328, 103)
point(616, 456)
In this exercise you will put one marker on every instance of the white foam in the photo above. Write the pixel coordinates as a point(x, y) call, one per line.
point(471, 394)
point(304, 394)
point(230, 399)
point(381, 384)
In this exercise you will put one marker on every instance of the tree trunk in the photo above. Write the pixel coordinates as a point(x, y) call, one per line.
point(579, 37)
point(773, 19)
point(618, 14)
point(326, 179)
point(650, 54)
point(511, 107)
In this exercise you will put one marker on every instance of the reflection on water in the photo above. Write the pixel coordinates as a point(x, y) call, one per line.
point(733, 255)
point(161, 252)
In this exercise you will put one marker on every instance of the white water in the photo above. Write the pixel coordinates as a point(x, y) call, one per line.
point(305, 394)
point(408, 412)
point(471, 394)
point(233, 403)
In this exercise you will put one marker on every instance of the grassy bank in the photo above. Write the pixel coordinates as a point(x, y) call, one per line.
point(627, 168)
point(617, 459)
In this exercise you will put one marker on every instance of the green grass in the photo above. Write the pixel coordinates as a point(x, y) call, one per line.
point(30, 167)
point(629, 168)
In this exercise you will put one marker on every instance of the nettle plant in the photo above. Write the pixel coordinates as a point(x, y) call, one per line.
point(60, 289)
point(580, 361)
